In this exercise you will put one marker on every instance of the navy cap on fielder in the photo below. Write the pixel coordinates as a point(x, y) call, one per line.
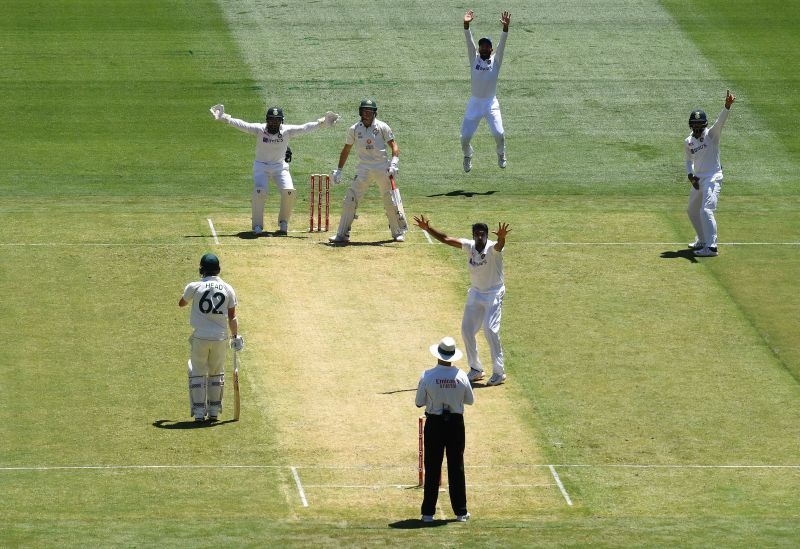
point(446, 350)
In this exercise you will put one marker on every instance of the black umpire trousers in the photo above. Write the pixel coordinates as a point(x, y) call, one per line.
point(444, 434)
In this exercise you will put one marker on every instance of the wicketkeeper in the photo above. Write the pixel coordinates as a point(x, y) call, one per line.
point(213, 312)
point(272, 160)
point(371, 138)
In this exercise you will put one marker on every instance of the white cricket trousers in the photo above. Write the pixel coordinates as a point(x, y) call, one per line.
point(364, 176)
point(483, 309)
point(476, 110)
point(702, 205)
point(262, 174)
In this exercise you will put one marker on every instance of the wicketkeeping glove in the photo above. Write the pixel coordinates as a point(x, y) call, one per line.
point(330, 118)
point(237, 343)
point(218, 112)
point(337, 176)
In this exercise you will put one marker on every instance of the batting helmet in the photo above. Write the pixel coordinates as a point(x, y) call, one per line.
point(275, 112)
point(368, 104)
point(698, 118)
point(209, 265)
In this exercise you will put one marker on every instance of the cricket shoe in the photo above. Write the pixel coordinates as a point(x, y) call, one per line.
point(213, 418)
point(467, 163)
point(337, 239)
point(462, 518)
point(427, 518)
point(710, 251)
point(400, 238)
point(257, 230)
point(281, 232)
point(496, 379)
point(501, 160)
point(475, 375)
point(697, 245)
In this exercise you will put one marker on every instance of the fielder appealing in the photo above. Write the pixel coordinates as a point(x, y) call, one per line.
point(213, 312)
point(705, 173)
point(484, 71)
point(485, 296)
point(371, 137)
point(444, 390)
point(272, 160)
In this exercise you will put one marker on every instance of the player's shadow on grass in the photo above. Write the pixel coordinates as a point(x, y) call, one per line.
point(170, 424)
point(356, 243)
point(680, 254)
point(413, 524)
point(461, 192)
point(398, 391)
point(250, 235)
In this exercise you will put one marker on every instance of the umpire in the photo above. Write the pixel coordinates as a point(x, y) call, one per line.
point(444, 390)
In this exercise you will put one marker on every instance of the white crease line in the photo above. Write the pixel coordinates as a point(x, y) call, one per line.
point(380, 486)
point(109, 467)
point(427, 236)
point(299, 487)
point(213, 231)
point(560, 486)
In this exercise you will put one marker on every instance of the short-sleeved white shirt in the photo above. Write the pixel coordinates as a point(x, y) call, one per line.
point(210, 299)
point(271, 148)
point(370, 143)
point(444, 388)
point(486, 267)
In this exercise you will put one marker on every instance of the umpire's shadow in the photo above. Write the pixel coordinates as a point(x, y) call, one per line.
point(171, 424)
point(461, 192)
point(686, 254)
point(413, 524)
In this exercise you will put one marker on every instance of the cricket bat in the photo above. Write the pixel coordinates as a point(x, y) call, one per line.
point(236, 402)
point(398, 204)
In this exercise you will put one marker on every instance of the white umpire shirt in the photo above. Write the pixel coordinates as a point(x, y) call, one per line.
point(370, 143)
point(211, 297)
point(702, 154)
point(484, 74)
point(486, 267)
point(444, 388)
point(271, 148)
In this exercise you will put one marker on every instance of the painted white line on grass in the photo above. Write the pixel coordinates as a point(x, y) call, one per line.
point(114, 467)
point(427, 236)
point(405, 486)
point(560, 485)
point(299, 487)
point(213, 231)
point(676, 466)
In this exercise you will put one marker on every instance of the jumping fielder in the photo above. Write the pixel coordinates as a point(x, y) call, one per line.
point(705, 174)
point(371, 138)
point(485, 296)
point(484, 71)
point(272, 160)
point(213, 312)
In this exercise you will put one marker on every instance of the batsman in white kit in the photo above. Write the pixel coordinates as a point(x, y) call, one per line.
point(272, 160)
point(371, 138)
point(484, 305)
point(704, 171)
point(213, 313)
point(484, 72)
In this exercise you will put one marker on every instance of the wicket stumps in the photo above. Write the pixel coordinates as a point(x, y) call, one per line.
point(317, 180)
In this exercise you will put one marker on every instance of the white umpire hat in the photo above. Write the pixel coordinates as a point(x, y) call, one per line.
point(446, 350)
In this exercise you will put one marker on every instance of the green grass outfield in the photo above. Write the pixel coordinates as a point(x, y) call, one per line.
point(664, 391)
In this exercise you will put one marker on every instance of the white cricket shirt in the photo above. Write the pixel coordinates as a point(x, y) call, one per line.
point(271, 148)
point(484, 74)
point(485, 268)
point(444, 388)
point(210, 299)
point(370, 143)
point(702, 154)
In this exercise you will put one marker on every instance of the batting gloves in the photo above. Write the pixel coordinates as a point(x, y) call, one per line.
point(393, 168)
point(237, 343)
point(337, 176)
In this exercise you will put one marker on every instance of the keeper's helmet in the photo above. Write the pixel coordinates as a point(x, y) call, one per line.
point(275, 112)
point(368, 104)
point(698, 119)
point(209, 265)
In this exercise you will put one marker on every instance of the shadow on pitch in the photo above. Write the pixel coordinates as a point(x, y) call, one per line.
point(461, 192)
point(352, 243)
point(398, 391)
point(170, 424)
point(687, 254)
point(413, 524)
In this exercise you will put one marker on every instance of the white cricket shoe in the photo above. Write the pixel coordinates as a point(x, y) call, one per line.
point(257, 229)
point(706, 252)
point(697, 245)
point(496, 379)
point(427, 518)
point(475, 375)
point(337, 239)
point(462, 518)
point(501, 160)
point(467, 163)
point(400, 238)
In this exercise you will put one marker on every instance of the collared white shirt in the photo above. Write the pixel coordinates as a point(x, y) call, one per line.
point(271, 147)
point(484, 74)
point(211, 297)
point(371, 143)
point(486, 267)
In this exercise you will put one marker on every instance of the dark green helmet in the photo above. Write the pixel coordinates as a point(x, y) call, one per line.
point(209, 265)
point(368, 104)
